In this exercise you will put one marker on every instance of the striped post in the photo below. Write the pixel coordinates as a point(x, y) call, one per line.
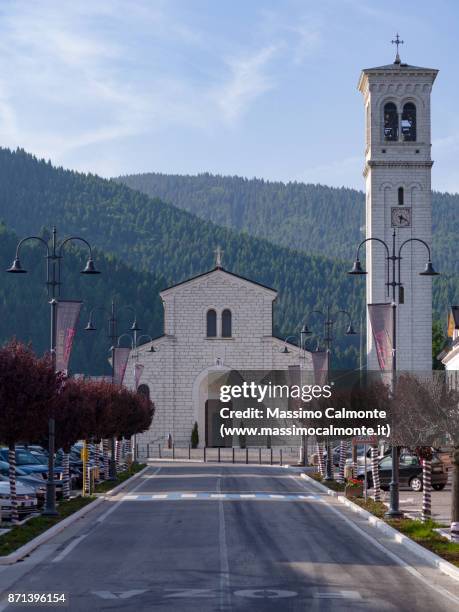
point(118, 454)
point(342, 459)
point(65, 476)
point(320, 458)
point(12, 477)
point(426, 490)
point(105, 458)
point(375, 473)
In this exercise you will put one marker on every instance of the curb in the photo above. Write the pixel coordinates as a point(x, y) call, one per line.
point(396, 536)
point(29, 547)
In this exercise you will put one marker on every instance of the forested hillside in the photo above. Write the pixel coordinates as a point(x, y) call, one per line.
point(155, 240)
point(25, 309)
point(310, 218)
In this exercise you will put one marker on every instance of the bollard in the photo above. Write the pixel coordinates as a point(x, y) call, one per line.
point(159, 451)
point(148, 449)
point(271, 449)
point(204, 454)
point(189, 451)
point(218, 454)
point(246, 455)
point(259, 455)
point(233, 454)
point(173, 451)
point(280, 456)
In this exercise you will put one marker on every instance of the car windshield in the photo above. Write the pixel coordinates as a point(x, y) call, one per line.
point(25, 458)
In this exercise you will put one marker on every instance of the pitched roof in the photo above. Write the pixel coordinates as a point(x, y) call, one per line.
point(218, 269)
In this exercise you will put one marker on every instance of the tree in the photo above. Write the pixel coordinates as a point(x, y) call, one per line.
point(28, 387)
point(195, 436)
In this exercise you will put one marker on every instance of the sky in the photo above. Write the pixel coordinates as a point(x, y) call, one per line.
point(234, 87)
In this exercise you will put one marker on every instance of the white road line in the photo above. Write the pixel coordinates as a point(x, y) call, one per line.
point(398, 560)
point(69, 548)
point(131, 497)
point(246, 495)
point(102, 518)
point(218, 495)
point(188, 495)
point(159, 496)
point(277, 496)
point(225, 597)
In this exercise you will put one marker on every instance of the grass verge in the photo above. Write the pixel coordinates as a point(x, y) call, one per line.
point(422, 532)
point(108, 485)
point(21, 534)
point(331, 484)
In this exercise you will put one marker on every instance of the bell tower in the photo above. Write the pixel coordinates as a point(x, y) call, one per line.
point(397, 176)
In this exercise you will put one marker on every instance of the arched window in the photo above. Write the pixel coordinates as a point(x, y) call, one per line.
point(211, 324)
point(144, 390)
point(409, 122)
point(390, 122)
point(226, 324)
point(401, 196)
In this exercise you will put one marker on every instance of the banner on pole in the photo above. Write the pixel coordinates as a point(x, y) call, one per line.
point(138, 370)
point(381, 324)
point(67, 314)
point(320, 366)
point(121, 356)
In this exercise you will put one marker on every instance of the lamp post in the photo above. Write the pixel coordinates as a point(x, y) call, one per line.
point(393, 280)
point(54, 255)
point(113, 336)
point(329, 320)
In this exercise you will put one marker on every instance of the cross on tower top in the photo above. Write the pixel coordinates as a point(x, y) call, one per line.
point(218, 257)
point(397, 42)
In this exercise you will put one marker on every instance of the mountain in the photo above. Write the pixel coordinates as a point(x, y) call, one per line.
point(151, 236)
point(312, 218)
point(26, 311)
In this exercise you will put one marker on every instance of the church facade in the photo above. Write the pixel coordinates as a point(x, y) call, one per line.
point(215, 322)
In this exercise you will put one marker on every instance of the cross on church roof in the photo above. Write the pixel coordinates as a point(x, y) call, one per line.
point(218, 257)
point(397, 42)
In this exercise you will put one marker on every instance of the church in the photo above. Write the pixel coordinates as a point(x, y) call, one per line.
point(214, 322)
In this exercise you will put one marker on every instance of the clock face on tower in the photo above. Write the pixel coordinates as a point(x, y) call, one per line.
point(400, 217)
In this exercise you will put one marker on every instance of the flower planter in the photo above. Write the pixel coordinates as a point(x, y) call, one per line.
point(353, 491)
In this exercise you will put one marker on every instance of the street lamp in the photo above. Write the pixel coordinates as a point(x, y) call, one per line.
point(54, 255)
point(113, 336)
point(393, 279)
point(329, 320)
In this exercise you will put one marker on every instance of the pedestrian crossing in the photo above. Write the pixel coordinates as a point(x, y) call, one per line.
point(199, 496)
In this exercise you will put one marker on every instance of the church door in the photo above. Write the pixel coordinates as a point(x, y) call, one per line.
point(213, 424)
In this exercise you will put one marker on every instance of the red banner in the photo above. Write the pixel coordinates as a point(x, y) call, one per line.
point(121, 356)
point(320, 367)
point(381, 324)
point(67, 314)
point(138, 370)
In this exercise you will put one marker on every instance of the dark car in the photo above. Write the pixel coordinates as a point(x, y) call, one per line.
point(410, 473)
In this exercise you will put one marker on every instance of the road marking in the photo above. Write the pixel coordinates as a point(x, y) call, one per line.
point(69, 548)
point(265, 593)
point(119, 594)
point(398, 560)
point(225, 594)
point(178, 495)
point(339, 595)
point(178, 593)
point(103, 516)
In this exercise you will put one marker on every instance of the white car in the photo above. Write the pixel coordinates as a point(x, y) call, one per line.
point(26, 500)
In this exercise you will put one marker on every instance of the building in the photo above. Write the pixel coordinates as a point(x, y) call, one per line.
point(214, 322)
point(398, 199)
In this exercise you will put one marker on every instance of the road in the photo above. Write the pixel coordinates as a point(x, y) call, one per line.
point(204, 537)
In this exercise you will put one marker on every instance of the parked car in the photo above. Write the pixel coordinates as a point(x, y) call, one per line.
point(32, 466)
point(410, 473)
point(26, 499)
point(34, 482)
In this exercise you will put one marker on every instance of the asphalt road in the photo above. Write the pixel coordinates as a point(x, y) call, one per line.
point(185, 538)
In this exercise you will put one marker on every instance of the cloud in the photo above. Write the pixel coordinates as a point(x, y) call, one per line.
point(248, 79)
